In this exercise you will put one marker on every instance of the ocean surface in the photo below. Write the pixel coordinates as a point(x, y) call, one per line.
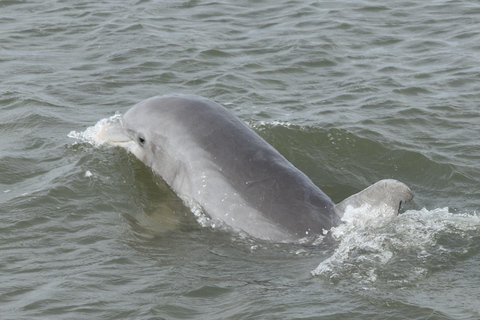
point(350, 92)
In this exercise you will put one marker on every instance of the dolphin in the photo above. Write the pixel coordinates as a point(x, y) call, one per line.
point(214, 161)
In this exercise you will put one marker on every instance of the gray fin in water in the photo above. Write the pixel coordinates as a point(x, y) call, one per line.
point(386, 194)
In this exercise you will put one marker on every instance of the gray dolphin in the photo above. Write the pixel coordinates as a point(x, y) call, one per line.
point(214, 161)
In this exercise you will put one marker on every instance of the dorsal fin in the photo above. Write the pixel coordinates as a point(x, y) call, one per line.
point(388, 194)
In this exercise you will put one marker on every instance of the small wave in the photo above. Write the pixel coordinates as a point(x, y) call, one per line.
point(401, 250)
point(90, 135)
point(258, 125)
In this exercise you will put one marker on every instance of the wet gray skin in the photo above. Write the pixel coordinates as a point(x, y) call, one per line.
point(214, 161)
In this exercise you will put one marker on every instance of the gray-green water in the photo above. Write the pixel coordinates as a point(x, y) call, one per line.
point(350, 92)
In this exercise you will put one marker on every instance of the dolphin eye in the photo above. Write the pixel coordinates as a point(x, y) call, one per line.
point(141, 140)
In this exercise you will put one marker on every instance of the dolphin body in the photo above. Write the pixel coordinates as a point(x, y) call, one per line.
point(213, 160)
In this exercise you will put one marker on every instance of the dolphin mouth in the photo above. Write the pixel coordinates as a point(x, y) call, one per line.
point(113, 133)
point(117, 136)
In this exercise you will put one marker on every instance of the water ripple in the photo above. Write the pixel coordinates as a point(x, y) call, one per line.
point(350, 92)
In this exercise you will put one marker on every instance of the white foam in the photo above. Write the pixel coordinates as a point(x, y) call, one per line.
point(90, 135)
point(268, 124)
point(370, 244)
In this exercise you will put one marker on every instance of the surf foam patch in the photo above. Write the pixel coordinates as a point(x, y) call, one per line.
point(398, 250)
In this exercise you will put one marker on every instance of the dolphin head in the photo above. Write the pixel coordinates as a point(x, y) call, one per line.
point(150, 131)
point(139, 131)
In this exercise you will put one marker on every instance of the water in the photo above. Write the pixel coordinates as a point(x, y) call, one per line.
point(350, 92)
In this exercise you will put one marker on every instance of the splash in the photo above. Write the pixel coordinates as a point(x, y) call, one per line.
point(398, 250)
point(91, 134)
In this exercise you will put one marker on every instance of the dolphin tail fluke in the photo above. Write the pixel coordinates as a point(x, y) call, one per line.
point(386, 194)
